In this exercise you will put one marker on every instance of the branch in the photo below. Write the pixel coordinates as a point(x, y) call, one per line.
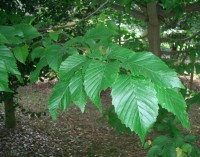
point(70, 24)
point(143, 7)
point(173, 52)
point(181, 39)
point(189, 8)
point(134, 12)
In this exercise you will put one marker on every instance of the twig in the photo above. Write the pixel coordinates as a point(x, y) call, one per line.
point(173, 52)
point(70, 24)
point(181, 39)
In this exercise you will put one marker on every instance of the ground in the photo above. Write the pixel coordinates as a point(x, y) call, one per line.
point(74, 134)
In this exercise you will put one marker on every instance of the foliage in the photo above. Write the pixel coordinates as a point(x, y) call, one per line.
point(89, 64)
point(14, 48)
point(171, 142)
point(139, 81)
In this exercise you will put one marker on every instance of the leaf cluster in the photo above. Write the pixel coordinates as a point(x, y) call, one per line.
point(139, 81)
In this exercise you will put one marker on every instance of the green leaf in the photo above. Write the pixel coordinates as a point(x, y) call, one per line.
point(99, 76)
point(73, 41)
point(47, 42)
point(37, 52)
point(54, 55)
point(146, 145)
point(60, 98)
point(161, 140)
point(187, 148)
point(135, 103)
point(150, 66)
point(169, 151)
point(28, 19)
point(77, 91)
point(9, 60)
point(190, 138)
point(7, 65)
point(15, 18)
point(178, 140)
point(192, 56)
point(3, 39)
point(13, 35)
point(54, 35)
point(20, 79)
point(195, 152)
point(115, 51)
point(21, 53)
point(70, 65)
point(154, 151)
point(173, 101)
point(197, 66)
point(99, 32)
point(3, 78)
point(29, 31)
point(72, 51)
point(111, 24)
point(35, 74)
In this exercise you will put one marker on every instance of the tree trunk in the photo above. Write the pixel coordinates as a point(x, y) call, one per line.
point(10, 121)
point(153, 29)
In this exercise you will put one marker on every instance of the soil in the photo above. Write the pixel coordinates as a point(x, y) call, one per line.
point(73, 134)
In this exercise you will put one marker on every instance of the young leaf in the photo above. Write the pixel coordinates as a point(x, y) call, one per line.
point(99, 76)
point(21, 53)
point(150, 66)
point(172, 100)
point(60, 97)
point(135, 103)
point(77, 91)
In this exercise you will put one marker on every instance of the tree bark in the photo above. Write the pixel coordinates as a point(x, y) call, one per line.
point(153, 29)
point(10, 121)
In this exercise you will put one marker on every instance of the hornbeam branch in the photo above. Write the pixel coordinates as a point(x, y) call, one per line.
point(180, 39)
point(134, 12)
point(190, 8)
point(173, 52)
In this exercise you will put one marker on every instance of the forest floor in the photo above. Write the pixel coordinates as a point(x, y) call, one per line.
point(73, 134)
